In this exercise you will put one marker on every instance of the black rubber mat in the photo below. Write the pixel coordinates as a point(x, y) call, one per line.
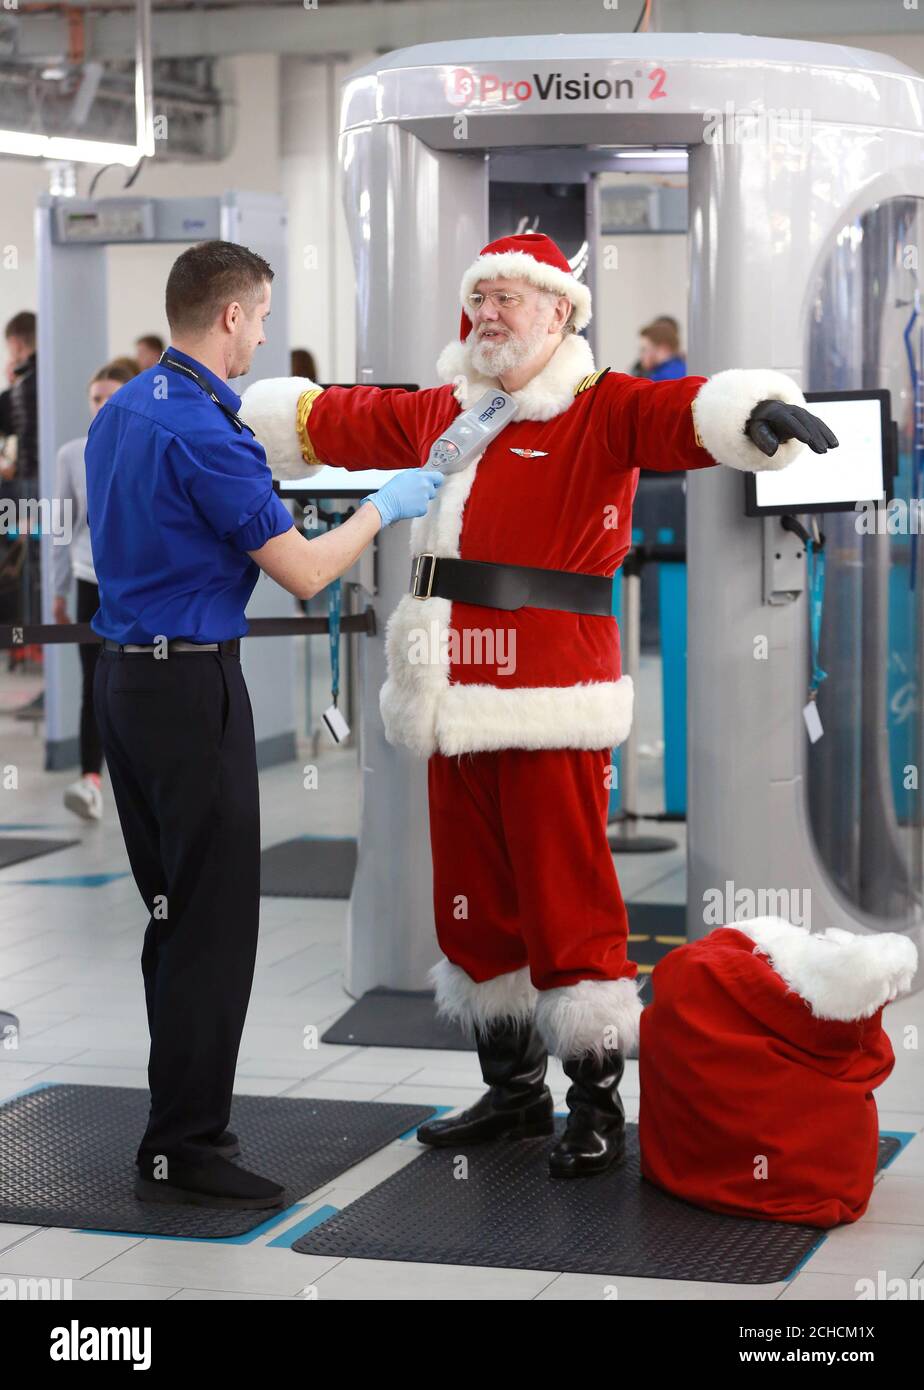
point(396, 1018)
point(14, 849)
point(68, 1156)
point(308, 868)
point(509, 1214)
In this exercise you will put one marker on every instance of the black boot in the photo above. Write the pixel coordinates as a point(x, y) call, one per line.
point(594, 1136)
point(519, 1103)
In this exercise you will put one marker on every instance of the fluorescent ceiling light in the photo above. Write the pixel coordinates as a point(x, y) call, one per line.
point(650, 154)
point(65, 148)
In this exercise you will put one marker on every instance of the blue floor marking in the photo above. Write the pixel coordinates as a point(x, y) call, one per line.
point(35, 825)
point(301, 1228)
point(246, 1239)
point(39, 1086)
point(904, 1137)
point(69, 880)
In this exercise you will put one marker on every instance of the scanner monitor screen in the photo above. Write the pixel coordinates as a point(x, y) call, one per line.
point(856, 471)
point(338, 482)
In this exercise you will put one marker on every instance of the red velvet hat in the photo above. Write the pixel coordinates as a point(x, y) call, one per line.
point(533, 257)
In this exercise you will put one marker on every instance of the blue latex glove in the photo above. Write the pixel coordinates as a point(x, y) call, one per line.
point(408, 494)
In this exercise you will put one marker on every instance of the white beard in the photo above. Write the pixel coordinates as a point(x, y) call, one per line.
point(494, 357)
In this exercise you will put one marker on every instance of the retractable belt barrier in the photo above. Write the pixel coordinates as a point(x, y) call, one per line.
point(79, 634)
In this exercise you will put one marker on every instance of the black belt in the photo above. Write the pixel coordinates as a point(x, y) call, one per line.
point(510, 586)
point(231, 647)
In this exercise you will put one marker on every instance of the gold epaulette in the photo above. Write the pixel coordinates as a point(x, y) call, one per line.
point(591, 380)
point(696, 433)
point(305, 401)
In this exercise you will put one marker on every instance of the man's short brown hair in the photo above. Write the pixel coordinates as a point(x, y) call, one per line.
point(207, 278)
point(662, 332)
point(22, 325)
point(152, 341)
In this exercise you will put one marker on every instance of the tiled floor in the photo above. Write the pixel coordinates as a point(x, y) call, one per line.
point(69, 969)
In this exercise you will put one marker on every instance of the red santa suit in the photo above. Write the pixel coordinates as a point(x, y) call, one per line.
point(518, 711)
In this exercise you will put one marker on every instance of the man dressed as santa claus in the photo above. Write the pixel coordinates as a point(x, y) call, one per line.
point(504, 663)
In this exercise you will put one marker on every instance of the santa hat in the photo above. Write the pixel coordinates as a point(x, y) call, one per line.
point(757, 1062)
point(533, 257)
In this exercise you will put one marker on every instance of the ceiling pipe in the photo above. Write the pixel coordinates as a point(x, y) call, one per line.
point(144, 80)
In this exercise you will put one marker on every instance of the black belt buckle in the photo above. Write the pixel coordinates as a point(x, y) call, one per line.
point(417, 574)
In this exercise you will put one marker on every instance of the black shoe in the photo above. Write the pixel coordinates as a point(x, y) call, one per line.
point(227, 1145)
point(594, 1136)
point(216, 1183)
point(517, 1106)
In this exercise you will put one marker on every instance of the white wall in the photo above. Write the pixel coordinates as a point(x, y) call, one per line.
point(638, 277)
point(322, 299)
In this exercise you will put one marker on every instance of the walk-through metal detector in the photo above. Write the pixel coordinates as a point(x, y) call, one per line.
point(72, 236)
point(806, 179)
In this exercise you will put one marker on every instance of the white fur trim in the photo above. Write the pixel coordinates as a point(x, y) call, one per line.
point(721, 408)
point(589, 1016)
point(518, 265)
point(482, 718)
point(473, 1005)
point(549, 393)
point(268, 407)
point(840, 974)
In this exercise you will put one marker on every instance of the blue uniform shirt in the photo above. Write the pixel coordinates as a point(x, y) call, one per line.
point(670, 370)
point(175, 498)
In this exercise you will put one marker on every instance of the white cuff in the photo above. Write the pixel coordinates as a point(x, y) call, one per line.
point(269, 408)
point(722, 406)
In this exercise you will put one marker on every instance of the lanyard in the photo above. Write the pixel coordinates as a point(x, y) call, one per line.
point(815, 562)
point(184, 368)
point(334, 606)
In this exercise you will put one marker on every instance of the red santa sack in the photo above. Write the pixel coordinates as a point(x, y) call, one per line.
point(757, 1061)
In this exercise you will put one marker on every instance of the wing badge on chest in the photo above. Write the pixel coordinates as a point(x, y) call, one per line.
point(530, 453)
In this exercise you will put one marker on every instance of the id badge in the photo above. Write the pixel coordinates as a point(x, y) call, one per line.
point(336, 723)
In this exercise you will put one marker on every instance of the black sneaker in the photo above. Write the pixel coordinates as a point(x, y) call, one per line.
point(217, 1183)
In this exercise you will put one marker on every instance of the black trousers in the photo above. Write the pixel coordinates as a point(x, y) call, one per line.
point(91, 750)
point(179, 743)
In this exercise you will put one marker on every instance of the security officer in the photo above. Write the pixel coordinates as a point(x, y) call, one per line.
point(182, 516)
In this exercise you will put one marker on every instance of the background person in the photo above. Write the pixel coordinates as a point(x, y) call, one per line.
point(148, 349)
point(73, 561)
point(659, 351)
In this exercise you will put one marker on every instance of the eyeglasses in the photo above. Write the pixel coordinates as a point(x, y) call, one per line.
point(499, 298)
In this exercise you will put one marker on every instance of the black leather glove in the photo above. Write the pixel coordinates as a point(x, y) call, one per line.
point(772, 422)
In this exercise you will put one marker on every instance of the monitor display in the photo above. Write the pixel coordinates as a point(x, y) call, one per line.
point(858, 470)
point(337, 482)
